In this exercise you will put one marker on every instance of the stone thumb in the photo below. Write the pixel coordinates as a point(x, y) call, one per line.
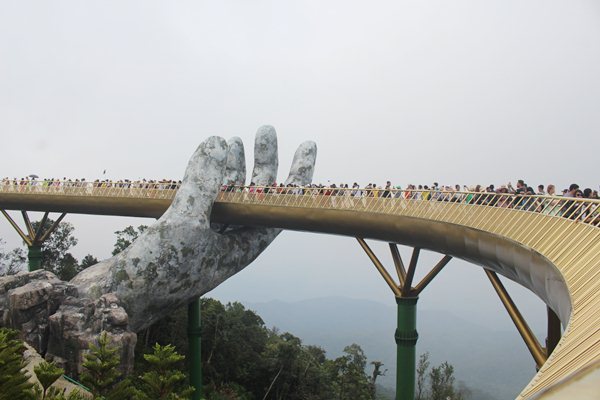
point(201, 183)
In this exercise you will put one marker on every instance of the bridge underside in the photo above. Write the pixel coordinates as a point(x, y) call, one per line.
point(504, 256)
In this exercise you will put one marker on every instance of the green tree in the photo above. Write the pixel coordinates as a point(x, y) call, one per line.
point(164, 380)
point(437, 383)
point(281, 357)
point(11, 262)
point(101, 367)
point(56, 257)
point(47, 373)
point(351, 381)
point(422, 368)
point(87, 261)
point(126, 237)
point(233, 340)
point(67, 267)
point(377, 372)
point(294, 371)
point(14, 384)
point(243, 360)
point(442, 383)
point(169, 330)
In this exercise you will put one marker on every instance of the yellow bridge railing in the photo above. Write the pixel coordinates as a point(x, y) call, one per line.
point(416, 203)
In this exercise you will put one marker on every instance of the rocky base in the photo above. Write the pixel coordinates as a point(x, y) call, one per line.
point(58, 324)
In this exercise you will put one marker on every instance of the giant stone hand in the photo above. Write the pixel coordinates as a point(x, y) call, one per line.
point(180, 257)
point(177, 259)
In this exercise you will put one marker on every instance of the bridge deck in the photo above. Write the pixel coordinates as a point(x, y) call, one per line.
point(549, 245)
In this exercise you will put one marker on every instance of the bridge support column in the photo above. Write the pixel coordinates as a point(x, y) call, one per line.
point(406, 299)
point(194, 339)
point(406, 340)
point(34, 257)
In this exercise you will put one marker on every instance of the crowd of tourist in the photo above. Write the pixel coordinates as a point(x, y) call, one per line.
point(522, 196)
point(31, 183)
point(420, 192)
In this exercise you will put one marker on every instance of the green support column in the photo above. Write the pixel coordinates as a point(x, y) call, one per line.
point(35, 257)
point(406, 340)
point(194, 335)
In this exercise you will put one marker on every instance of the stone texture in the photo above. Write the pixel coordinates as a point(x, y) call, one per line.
point(266, 160)
point(179, 257)
point(235, 171)
point(303, 165)
point(79, 322)
point(28, 300)
point(176, 260)
point(57, 323)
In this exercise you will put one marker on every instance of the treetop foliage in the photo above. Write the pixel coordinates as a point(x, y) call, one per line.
point(14, 383)
point(101, 367)
point(126, 237)
point(436, 383)
point(56, 253)
point(164, 380)
point(13, 261)
point(56, 256)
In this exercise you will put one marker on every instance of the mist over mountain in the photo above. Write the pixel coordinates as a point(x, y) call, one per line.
point(493, 363)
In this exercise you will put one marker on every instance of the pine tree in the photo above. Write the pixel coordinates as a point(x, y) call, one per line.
point(101, 365)
point(47, 373)
point(14, 384)
point(164, 380)
point(53, 393)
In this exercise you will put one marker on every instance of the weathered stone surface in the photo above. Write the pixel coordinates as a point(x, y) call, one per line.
point(28, 300)
point(235, 172)
point(30, 295)
point(174, 261)
point(179, 257)
point(266, 160)
point(79, 322)
point(301, 172)
point(58, 324)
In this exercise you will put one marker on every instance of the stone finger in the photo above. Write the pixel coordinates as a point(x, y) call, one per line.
point(235, 172)
point(303, 166)
point(266, 159)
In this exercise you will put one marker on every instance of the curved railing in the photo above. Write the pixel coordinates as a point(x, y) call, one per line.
point(563, 231)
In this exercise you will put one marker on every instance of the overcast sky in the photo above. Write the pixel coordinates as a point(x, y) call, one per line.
point(463, 91)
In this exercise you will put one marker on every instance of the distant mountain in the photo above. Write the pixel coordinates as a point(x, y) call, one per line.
point(493, 364)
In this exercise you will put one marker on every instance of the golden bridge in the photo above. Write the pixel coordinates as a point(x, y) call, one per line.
point(550, 245)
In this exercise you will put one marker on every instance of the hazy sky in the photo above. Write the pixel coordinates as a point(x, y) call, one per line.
point(411, 91)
